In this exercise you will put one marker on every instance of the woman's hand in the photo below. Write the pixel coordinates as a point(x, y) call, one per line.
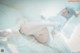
point(4, 33)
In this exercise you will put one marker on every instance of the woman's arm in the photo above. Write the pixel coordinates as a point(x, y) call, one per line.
point(6, 32)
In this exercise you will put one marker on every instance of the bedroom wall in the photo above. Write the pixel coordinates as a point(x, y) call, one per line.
point(33, 9)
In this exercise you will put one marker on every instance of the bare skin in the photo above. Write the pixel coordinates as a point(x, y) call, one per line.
point(38, 30)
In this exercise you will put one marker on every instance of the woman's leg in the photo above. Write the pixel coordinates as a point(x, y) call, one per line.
point(13, 48)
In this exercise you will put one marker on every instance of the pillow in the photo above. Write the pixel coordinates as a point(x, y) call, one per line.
point(70, 25)
point(74, 41)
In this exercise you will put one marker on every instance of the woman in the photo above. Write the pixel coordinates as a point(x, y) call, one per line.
point(42, 40)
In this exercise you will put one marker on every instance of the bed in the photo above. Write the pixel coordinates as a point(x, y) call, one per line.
point(26, 42)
